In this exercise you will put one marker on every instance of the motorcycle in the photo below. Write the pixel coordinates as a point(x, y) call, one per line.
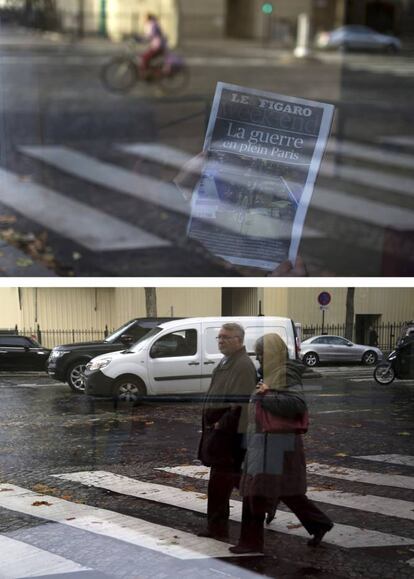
point(399, 364)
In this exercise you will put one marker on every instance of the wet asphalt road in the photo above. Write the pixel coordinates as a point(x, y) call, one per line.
point(46, 430)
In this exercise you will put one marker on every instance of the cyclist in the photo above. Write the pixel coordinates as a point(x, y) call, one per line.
point(157, 42)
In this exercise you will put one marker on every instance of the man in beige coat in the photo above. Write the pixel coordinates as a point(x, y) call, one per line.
point(224, 421)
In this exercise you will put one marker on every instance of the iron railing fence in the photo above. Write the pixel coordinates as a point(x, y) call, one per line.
point(388, 333)
point(55, 337)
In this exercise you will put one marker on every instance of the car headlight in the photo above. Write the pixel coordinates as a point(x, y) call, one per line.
point(98, 364)
point(58, 353)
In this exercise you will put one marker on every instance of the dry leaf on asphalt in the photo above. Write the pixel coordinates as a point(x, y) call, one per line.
point(41, 504)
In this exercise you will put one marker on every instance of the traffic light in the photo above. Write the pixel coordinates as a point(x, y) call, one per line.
point(267, 8)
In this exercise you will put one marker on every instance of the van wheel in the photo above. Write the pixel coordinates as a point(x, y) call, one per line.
point(129, 389)
point(75, 376)
point(311, 359)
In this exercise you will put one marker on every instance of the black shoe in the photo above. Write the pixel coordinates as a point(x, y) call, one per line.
point(319, 535)
point(244, 549)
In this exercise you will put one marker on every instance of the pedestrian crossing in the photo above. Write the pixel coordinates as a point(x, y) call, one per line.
point(387, 173)
point(31, 554)
point(394, 65)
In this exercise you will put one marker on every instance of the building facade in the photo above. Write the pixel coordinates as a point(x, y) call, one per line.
point(96, 310)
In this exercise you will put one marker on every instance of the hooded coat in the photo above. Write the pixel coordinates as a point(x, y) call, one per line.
point(274, 465)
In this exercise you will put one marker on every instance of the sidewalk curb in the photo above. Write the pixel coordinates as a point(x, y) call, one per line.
point(9, 263)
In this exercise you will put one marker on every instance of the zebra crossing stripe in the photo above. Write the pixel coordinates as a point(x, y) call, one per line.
point(166, 540)
point(369, 177)
point(107, 175)
point(342, 535)
point(399, 140)
point(338, 203)
point(141, 187)
point(390, 458)
point(162, 154)
point(368, 503)
point(371, 153)
point(172, 157)
point(20, 560)
point(89, 227)
point(373, 478)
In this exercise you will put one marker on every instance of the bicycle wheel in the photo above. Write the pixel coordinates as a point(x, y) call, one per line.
point(175, 81)
point(119, 74)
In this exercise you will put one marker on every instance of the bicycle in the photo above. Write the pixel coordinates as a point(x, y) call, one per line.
point(168, 72)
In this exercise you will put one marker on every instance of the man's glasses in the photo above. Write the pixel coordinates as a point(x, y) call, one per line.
point(225, 338)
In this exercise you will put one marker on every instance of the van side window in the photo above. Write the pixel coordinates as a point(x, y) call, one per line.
point(175, 344)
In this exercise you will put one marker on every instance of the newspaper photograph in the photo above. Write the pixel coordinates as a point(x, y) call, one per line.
point(262, 156)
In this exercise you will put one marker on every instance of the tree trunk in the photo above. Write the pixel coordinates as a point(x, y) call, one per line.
point(349, 316)
point(151, 302)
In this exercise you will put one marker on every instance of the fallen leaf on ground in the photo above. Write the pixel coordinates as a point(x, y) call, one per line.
point(189, 488)
point(294, 526)
point(41, 503)
point(404, 433)
point(24, 261)
point(5, 490)
point(341, 454)
point(7, 219)
point(41, 488)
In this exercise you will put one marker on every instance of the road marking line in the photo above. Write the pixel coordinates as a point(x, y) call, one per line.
point(344, 411)
point(89, 227)
point(110, 176)
point(319, 469)
point(405, 460)
point(342, 535)
point(373, 478)
point(367, 503)
point(336, 202)
point(142, 187)
point(20, 560)
point(172, 157)
point(132, 530)
point(400, 140)
point(376, 154)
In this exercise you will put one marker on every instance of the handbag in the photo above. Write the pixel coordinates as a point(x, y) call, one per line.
point(269, 422)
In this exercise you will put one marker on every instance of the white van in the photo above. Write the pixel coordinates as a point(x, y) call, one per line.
point(177, 357)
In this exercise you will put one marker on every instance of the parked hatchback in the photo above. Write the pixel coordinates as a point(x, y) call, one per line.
point(67, 362)
point(337, 349)
point(22, 353)
point(355, 37)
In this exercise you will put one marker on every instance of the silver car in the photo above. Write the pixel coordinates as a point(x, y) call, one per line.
point(336, 349)
point(356, 37)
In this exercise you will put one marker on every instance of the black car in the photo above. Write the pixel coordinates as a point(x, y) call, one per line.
point(22, 353)
point(67, 362)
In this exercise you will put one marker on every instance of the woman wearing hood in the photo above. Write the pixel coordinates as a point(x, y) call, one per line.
point(274, 469)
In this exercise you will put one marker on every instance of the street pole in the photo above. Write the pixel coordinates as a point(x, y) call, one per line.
point(302, 44)
point(323, 320)
point(81, 18)
point(102, 18)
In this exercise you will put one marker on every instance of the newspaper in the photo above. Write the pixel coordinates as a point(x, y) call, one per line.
point(263, 152)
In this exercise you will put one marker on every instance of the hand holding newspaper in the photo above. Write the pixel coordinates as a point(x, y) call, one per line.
point(262, 153)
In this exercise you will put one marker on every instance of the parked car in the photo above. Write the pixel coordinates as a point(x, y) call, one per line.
point(355, 37)
point(22, 353)
point(67, 362)
point(337, 349)
point(176, 357)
